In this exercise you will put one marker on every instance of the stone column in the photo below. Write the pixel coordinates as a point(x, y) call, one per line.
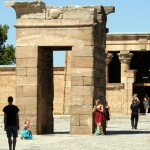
point(125, 59)
point(108, 59)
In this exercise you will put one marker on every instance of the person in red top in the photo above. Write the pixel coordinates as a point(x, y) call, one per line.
point(98, 109)
point(11, 122)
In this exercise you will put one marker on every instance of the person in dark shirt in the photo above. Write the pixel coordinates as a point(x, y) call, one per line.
point(134, 113)
point(11, 122)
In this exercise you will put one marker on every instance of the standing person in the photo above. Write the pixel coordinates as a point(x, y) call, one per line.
point(146, 103)
point(134, 114)
point(25, 132)
point(98, 109)
point(135, 97)
point(107, 113)
point(11, 122)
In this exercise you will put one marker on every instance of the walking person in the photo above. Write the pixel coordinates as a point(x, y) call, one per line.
point(98, 110)
point(134, 114)
point(11, 122)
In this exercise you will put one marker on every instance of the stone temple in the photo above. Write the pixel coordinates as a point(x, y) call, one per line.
point(111, 67)
point(42, 29)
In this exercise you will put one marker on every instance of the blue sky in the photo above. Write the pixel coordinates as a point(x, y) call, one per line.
point(130, 16)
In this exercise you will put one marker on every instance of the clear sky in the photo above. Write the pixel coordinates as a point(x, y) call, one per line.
point(130, 16)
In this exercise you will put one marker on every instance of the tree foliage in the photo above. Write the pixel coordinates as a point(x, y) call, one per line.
point(7, 52)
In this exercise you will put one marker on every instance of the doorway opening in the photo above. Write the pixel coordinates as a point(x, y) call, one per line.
point(141, 63)
point(114, 69)
point(50, 94)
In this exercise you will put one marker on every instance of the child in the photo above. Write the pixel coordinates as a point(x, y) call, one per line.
point(25, 132)
point(98, 109)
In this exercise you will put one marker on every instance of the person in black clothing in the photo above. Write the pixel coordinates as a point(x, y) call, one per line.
point(134, 113)
point(11, 122)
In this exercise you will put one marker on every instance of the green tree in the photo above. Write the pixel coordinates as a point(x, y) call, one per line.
point(7, 52)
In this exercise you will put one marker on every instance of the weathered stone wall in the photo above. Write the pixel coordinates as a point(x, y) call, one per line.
point(7, 85)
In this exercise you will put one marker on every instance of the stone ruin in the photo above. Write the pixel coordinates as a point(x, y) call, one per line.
point(42, 29)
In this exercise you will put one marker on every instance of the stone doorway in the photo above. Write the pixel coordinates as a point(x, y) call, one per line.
point(46, 94)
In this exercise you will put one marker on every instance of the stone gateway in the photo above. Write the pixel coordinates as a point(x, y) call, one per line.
point(42, 29)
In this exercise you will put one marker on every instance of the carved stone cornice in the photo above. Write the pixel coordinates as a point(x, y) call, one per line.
point(39, 9)
point(24, 8)
point(125, 58)
point(108, 58)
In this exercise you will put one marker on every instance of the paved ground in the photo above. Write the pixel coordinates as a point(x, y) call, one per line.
point(119, 136)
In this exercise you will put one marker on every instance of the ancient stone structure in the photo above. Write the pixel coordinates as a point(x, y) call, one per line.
point(128, 69)
point(43, 29)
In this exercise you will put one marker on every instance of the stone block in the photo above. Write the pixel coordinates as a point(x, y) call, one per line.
point(21, 71)
point(30, 90)
point(27, 101)
point(82, 90)
point(74, 120)
point(21, 108)
point(21, 80)
point(82, 72)
point(82, 62)
point(78, 81)
point(77, 100)
point(32, 71)
point(80, 13)
point(19, 91)
point(84, 110)
point(27, 63)
point(85, 120)
point(26, 52)
point(31, 110)
point(85, 51)
point(87, 100)
point(58, 94)
point(86, 130)
point(88, 81)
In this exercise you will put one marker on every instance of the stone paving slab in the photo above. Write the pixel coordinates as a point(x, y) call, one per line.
point(119, 136)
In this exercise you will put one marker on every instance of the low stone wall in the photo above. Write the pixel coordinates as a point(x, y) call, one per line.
point(114, 92)
point(7, 85)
